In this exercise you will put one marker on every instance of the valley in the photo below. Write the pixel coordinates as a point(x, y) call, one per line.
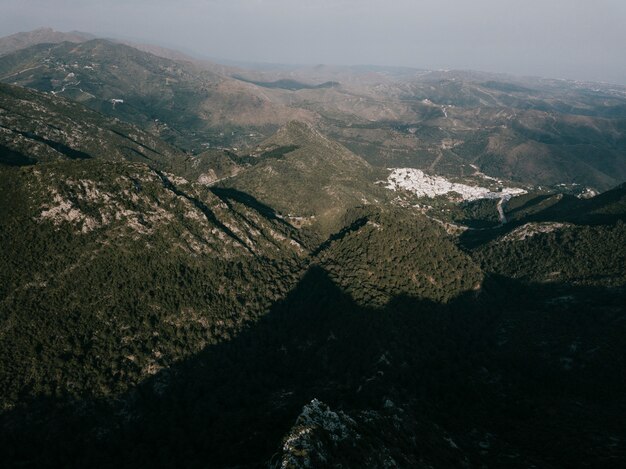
point(209, 265)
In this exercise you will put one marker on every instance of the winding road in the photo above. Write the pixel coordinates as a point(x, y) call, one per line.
point(504, 199)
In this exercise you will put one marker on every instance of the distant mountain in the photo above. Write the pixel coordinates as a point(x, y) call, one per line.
point(159, 51)
point(530, 130)
point(183, 103)
point(533, 131)
point(38, 128)
point(544, 136)
point(15, 42)
point(291, 85)
point(22, 40)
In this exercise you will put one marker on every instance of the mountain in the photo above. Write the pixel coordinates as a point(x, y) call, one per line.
point(540, 137)
point(544, 212)
point(320, 377)
point(388, 282)
point(183, 103)
point(23, 40)
point(381, 254)
point(309, 177)
point(78, 229)
point(533, 131)
point(38, 127)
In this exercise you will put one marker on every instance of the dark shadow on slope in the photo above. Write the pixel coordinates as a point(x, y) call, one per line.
point(136, 156)
point(57, 146)
point(287, 84)
point(535, 202)
point(145, 147)
point(13, 158)
point(278, 153)
point(354, 226)
point(227, 195)
point(607, 208)
point(208, 213)
point(500, 364)
point(230, 195)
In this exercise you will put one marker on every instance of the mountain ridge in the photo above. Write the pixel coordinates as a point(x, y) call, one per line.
point(308, 176)
point(199, 271)
point(44, 35)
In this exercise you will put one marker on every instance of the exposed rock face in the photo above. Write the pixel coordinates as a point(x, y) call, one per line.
point(531, 229)
point(318, 431)
point(385, 438)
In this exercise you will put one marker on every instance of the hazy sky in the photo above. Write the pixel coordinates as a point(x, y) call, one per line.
point(578, 39)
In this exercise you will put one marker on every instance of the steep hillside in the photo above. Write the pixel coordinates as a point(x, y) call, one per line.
point(309, 177)
point(289, 304)
point(535, 212)
point(604, 208)
point(182, 103)
point(556, 252)
point(141, 311)
point(38, 127)
point(558, 239)
point(380, 255)
point(112, 271)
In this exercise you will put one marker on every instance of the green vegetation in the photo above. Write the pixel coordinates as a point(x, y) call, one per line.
point(305, 175)
point(177, 101)
point(162, 308)
point(202, 313)
point(109, 276)
point(383, 255)
point(579, 255)
point(68, 130)
point(529, 130)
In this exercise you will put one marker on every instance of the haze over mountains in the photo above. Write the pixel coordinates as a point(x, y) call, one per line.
point(291, 266)
point(441, 121)
point(581, 41)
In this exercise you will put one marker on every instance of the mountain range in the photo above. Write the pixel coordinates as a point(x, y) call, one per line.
point(210, 265)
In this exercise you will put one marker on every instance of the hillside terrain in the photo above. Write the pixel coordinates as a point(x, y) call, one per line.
point(309, 177)
point(530, 130)
point(79, 232)
point(38, 127)
point(67, 130)
point(23, 40)
point(183, 103)
point(292, 267)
